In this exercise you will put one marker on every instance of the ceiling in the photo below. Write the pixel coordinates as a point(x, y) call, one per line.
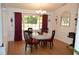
point(34, 6)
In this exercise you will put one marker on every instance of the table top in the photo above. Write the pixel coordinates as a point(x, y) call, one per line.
point(42, 37)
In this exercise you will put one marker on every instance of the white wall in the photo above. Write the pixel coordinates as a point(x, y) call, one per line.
point(3, 35)
point(0, 27)
point(5, 29)
point(61, 31)
point(9, 13)
point(50, 22)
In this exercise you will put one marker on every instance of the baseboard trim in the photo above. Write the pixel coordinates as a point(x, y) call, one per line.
point(61, 41)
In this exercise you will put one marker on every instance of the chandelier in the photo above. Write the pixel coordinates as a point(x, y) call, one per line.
point(41, 11)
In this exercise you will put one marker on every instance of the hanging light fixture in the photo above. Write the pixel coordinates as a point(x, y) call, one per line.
point(40, 11)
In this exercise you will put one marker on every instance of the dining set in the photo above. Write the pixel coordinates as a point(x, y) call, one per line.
point(42, 40)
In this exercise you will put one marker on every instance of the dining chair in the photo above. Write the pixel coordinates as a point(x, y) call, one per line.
point(50, 40)
point(30, 41)
point(30, 31)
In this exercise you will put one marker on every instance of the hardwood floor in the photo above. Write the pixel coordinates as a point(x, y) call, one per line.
point(18, 48)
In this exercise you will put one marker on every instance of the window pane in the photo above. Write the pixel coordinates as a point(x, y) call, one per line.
point(30, 19)
point(34, 22)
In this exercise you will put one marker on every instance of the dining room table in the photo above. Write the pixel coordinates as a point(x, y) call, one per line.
point(42, 37)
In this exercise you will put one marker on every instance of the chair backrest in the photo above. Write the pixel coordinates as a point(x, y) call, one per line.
point(26, 36)
point(53, 34)
point(30, 31)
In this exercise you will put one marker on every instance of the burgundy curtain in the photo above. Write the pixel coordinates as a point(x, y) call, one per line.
point(18, 26)
point(44, 23)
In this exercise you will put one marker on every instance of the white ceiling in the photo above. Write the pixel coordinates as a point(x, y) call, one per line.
point(34, 6)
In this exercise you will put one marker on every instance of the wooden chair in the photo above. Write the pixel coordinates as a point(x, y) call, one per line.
point(29, 40)
point(50, 40)
point(30, 31)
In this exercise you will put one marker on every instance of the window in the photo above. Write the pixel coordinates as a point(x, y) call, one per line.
point(65, 21)
point(32, 21)
point(65, 18)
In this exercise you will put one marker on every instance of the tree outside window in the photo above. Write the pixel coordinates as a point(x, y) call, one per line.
point(30, 19)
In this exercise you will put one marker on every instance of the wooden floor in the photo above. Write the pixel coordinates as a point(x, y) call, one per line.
point(59, 48)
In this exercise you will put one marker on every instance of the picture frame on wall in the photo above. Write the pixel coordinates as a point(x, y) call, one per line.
point(65, 21)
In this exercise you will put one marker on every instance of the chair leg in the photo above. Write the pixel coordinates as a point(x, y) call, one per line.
point(39, 43)
point(45, 43)
point(36, 46)
point(31, 48)
point(51, 44)
point(25, 47)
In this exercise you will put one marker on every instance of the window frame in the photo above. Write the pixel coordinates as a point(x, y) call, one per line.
point(40, 23)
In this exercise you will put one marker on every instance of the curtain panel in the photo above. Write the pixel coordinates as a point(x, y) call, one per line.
point(18, 26)
point(45, 23)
